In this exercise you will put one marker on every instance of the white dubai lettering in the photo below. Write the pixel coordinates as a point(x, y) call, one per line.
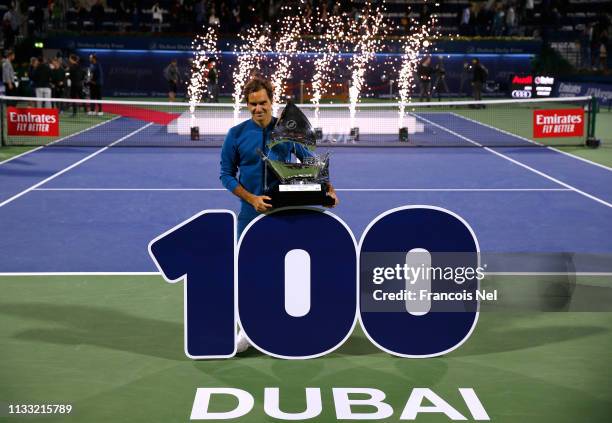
point(371, 403)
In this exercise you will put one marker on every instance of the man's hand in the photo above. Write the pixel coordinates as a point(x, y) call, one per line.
point(259, 203)
point(331, 192)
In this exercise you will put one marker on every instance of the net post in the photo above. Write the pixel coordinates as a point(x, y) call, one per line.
point(591, 141)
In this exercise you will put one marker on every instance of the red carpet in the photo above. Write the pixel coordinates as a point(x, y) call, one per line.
point(148, 115)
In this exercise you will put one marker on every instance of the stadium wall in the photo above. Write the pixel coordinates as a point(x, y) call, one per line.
point(131, 73)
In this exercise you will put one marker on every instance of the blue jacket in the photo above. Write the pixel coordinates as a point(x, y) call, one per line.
point(96, 73)
point(239, 153)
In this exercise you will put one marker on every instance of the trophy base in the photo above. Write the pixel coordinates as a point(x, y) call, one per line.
point(299, 195)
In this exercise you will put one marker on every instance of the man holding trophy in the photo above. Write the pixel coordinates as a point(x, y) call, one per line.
point(259, 152)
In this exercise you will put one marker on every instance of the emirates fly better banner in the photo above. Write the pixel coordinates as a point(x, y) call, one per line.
point(558, 123)
point(31, 121)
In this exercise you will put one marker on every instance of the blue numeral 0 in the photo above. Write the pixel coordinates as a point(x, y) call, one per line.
point(315, 315)
point(434, 230)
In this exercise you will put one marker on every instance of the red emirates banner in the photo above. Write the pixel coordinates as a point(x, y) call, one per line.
point(558, 123)
point(30, 121)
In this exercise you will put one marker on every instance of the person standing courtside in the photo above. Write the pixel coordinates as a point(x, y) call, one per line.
point(425, 72)
point(440, 85)
point(173, 76)
point(58, 82)
point(76, 82)
point(8, 75)
point(479, 77)
point(213, 82)
point(40, 75)
point(95, 84)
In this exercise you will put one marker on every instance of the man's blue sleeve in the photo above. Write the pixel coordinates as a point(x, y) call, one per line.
point(229, 163)
point(301, 151)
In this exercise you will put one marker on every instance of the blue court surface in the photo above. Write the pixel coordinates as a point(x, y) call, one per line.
point(95, 209)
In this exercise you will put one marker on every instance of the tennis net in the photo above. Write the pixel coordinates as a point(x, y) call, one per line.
point(491, 123)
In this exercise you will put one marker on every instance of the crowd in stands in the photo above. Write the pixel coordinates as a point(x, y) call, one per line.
point(482, 17)
point(588, 21)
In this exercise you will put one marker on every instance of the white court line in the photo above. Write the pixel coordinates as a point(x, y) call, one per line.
point(20, 155)
point(55, 175)
point(130, 189)
point(80, 274)
point(337, 189)
point(533, 142)
point(547, 273)
point(160, 274)
point(60, 139)
point(516, 162)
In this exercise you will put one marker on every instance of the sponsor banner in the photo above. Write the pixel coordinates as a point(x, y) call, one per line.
point(558, 123)
point(118, 42)
point(528, 86)
point(32, 121)
point(602, 92)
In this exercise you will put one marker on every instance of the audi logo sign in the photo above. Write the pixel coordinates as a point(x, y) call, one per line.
point(522, 79)
point(521, 94)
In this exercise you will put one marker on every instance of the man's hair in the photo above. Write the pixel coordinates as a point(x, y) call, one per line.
point(257, 84)
point(74, 57)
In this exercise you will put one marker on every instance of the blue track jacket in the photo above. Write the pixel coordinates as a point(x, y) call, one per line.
point(239, 153)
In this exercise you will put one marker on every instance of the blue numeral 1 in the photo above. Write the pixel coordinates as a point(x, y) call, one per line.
point(202, 250)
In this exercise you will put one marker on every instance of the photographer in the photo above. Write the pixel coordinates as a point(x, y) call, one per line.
point(425, 72)
point(479, 77)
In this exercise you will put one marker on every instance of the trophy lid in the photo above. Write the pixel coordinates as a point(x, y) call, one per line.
point(293, 126)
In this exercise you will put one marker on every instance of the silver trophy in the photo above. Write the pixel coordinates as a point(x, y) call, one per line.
point(296, 184)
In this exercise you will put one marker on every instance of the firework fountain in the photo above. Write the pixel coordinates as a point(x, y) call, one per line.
point(204, 48)
point(412, 46)
point(364, 32)
point(286, 48)
point(361, 35)
point(256, 42)
point(331, 40)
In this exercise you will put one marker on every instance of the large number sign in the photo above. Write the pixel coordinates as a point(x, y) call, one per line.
point(297, 281)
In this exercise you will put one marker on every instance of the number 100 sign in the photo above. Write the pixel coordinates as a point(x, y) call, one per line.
point(298, 282)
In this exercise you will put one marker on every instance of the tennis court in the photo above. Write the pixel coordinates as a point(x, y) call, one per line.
point(87, 320)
